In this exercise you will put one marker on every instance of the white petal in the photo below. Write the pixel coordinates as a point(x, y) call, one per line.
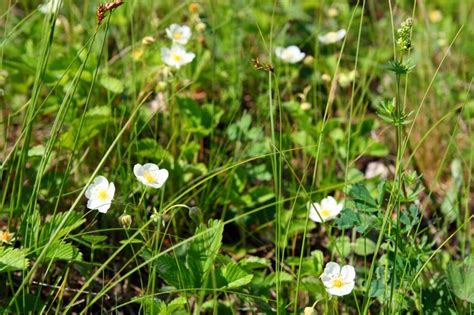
point(104, 207)
point(94, 204)
point(327, 280)
point(313, 214)
point(332, 269)
point(188, 57)
point(150, 167)
point(341, 33)
point(344, 290)
point(162, 176)
point(138, 170)
point(111, 191)
point(279, 52)
point(348, 273)
point(90, 191)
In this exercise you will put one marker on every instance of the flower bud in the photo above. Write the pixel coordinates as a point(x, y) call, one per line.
point(125, 221)
point(308, 61)
point(309, 311)
point(148, 40)
point(200, 27)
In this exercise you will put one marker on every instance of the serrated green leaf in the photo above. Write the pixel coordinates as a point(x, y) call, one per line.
point(62, 251)
point(235, 276)
point(12, 259)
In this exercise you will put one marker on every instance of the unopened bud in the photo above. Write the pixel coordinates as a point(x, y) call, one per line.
point(148, 40)
point(125, 221)
point(200, 27)
point(308, 61)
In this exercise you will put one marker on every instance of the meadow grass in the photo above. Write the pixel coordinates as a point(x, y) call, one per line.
point(271, 165)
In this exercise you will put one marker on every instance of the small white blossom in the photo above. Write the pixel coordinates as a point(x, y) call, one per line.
point(150, 174)
point(179, 34)
point(100, 194)
point(332, 37)
point(290, 54)
point(375, 169)
point(338, 281)
point(176, 56)
point(50, 6)
point(328, 209)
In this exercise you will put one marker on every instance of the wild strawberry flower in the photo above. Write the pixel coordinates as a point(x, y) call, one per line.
point(332, 37)
point(290, 54)
point(326, 210)
point(49, 7)
point(150, 174)
point(6, 237)
point(179, 34)
point(338, 281)
point(100, 194)
point(176, 56)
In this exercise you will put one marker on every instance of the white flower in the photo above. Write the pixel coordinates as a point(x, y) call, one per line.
point(327, 210)
point(375, 169)
point(332, 37)
point(338, 281)
point(49, 7)
point(179, 34)
point(150, 174)
point(100, 194)
point(290, 54)
point(176, 56)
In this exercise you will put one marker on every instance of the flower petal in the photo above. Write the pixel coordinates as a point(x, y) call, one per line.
point(313, 213)
point(138, 170)
point(111, 191)
point(348, 273)
point(344, 290)
point(332, 269)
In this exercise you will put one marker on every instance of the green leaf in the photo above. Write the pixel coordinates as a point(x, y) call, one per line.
point(253, 262)
point(112, 84)
point(173, 270)
point(62, 251)
point(364, 246)
point(342, 246)
point(362, 198)
point(348, 219)
point(203, 249)
point(235, 276)
point(12, 259)
point(461, 280)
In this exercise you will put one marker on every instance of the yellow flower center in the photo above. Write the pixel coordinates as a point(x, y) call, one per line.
point(102, 195)
point(325, 213)
point(149, 177)
point(177, 57)
point(178, 35)
point(337, 283)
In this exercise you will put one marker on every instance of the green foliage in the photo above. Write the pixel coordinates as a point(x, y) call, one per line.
point(12, 259)
point(461, 279)
point(158, 307)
